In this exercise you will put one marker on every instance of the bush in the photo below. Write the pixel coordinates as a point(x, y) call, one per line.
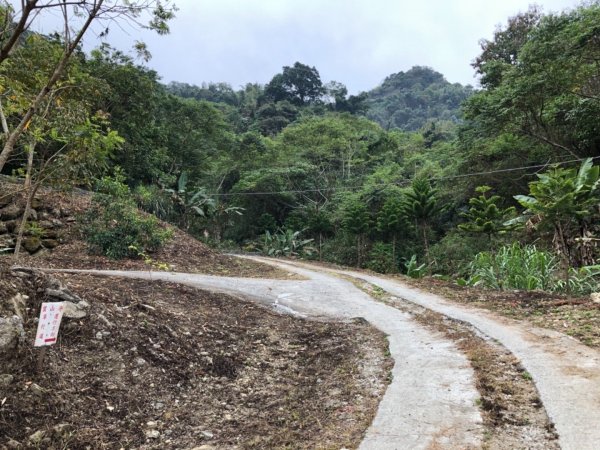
point(115, 228)
point(341, 249)
point(453, 254)
point(380, 258)
point(515, 266)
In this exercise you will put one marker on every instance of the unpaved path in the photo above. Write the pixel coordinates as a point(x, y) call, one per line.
point(431, 402)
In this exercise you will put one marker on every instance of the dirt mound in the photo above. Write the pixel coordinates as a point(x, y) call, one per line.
point(160, 365)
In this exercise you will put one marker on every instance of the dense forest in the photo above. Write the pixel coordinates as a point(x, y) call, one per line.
point(418, 175)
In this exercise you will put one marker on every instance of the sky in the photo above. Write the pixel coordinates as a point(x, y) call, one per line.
point(356, 42)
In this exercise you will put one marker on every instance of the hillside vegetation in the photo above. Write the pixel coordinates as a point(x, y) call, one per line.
point(298, 167)
point(410, 100)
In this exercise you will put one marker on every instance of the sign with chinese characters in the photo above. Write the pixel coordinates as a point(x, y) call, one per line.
point(50, 317)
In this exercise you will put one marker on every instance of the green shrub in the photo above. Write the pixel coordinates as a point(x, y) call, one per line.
point(340, 249)
point(515, 266)
point(114, 227)
point(284, 242)
point(414, 269)
point(380, 258)
point(453, 254)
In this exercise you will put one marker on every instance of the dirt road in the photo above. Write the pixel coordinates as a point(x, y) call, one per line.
point(432, 400)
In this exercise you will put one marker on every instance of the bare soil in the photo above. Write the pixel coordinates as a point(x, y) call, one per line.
point(161, 365)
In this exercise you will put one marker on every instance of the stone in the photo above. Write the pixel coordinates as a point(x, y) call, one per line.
point(13, 444)
point(595, 297)
point(36, 389)
point(7, 241)
point(32, 244)
point(205, 447)
point(62, 293)
point(49, 243)
point(33, 215)
point(11, 332)
point(36, 203)
point(152, 434)
point(19, 303)
point(5, 199)
point(50, 234)
point(140, 362)
point(75, 310)
point(11, 225)
point(37, 437)
point(11, 212)
point(6, 379)
point(3, 228)
point(207, 434)
point(63, 429)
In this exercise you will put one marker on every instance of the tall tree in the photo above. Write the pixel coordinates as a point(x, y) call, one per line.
point(421, 207)
point(299, 84)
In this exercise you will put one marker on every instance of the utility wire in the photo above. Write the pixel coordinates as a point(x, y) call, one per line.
point(403, 183)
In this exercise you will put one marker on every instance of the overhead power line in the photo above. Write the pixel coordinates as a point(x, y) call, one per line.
point(403, 183)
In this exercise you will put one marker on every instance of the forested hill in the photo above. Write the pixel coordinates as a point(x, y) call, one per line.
point(408, 100)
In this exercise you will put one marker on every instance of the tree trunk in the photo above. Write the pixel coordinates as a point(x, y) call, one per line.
point(29, 193)
point(320, 246)
point(358, 240)
point(394, 252)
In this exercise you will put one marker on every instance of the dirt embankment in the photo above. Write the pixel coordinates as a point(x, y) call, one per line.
point(159, 365)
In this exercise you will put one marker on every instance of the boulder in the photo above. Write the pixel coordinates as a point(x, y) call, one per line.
point(11, 332)
point(32, 244)
point(595, 297)
point(5, 199)
point(11, 225)
point(76, 310)
point(12, 211)
point(49, 243)
point(19, 304)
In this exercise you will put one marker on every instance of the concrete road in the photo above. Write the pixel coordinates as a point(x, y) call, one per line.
point(431, 401)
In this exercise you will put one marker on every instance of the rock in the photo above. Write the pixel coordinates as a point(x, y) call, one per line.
point(595, 297)
point(11, 332)
point(12, 211)
point(205, 447)
point(50, 234)
point(151, 424)
point(19, 303)
point(76, 310)
point(7, 241)
point(33, 214)
point(49, 243)
point(3, 228)
point(6, 379)
point(152, 434)
point(63, 429)
point(37, 437)
point(32, 244)
point(62, 293)
point(140, 362)
point(5, 199)
point(11, 225)
point(13, 444)
point(207, 434)
point(36, 389)
point(36, 203)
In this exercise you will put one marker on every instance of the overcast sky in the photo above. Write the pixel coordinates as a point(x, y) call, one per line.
point(356, 42)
